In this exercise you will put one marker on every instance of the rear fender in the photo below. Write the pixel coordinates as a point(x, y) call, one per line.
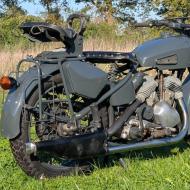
point(10, 119)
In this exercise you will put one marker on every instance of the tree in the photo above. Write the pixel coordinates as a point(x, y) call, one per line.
point(174, 8)
point(53, 8)
point(110, 9)
point(11, 7)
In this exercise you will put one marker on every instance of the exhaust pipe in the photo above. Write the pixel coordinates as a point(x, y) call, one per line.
point(158, 142)
point(117, 125)
point(91, 145)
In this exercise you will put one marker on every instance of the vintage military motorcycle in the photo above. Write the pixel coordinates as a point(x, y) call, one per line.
point(64, 111)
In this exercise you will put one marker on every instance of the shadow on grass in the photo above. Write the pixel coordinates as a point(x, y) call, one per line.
point(146, 154)
point(159, 152)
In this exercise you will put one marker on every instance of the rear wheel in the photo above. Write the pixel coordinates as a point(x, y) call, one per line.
point(45, 164)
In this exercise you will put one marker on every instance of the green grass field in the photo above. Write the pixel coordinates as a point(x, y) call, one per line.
point(162, 169)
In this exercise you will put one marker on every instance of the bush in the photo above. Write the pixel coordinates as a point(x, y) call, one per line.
point(10, 34)
point(101, 30)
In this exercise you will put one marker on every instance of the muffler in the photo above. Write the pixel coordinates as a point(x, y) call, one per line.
point(81, 146)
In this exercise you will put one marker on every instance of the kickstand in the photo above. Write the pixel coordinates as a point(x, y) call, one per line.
point(123, 163)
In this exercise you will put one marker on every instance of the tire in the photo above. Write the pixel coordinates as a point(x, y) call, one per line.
point(31, 164)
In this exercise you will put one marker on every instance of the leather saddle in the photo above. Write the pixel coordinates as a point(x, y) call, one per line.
point(45, 32)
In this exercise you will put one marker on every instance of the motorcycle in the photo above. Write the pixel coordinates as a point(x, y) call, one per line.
point(64, 110)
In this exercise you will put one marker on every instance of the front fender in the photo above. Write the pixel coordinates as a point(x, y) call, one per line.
point(10, 118)
point(186, 96)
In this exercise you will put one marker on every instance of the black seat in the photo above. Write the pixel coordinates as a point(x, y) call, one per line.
point(45, 32)
point(107, 57)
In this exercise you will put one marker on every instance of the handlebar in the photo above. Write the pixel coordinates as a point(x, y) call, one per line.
point(167, 23)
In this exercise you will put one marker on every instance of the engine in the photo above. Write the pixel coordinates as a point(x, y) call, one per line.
point(158, 116)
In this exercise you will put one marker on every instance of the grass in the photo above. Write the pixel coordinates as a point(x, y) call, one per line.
point(165, 168)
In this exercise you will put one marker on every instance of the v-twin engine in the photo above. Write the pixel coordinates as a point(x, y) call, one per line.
point(157, 117)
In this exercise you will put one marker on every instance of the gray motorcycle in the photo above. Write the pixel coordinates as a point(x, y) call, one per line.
point(64, 112)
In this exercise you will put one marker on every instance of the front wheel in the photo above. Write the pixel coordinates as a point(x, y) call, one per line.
point(43, 164)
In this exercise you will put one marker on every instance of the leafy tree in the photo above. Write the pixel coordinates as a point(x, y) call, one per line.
point(11, 7)
point(53, 8)
point(174, 8)
point(110, 9)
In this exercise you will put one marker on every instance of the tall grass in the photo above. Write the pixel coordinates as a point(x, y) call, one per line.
point(109, 45)
point(9, 58)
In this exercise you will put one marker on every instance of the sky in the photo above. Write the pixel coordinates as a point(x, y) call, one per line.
point(36, 9)
point(33, 9)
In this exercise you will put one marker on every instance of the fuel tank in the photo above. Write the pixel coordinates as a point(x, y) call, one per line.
point(171, 52)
